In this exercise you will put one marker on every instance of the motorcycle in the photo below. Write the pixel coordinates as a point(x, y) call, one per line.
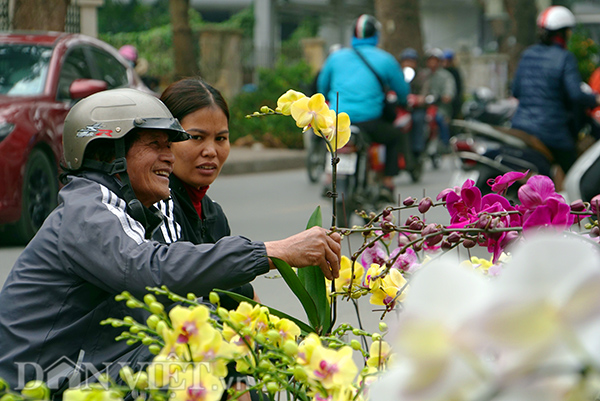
point(484, 152)
point(486, 108)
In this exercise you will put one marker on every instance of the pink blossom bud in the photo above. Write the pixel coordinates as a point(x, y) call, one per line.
point(577, 206)
point(484, 221)
point(425, 204)
point(432, 229)
point(410, 220)
point(446, 245)
point(416, 225)
point(469, 243)
point(409, 201)
point(386, 227)
point(594, 232)
point(454, 237)
point(418, 246)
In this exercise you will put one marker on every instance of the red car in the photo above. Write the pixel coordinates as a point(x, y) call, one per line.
point(41, 76)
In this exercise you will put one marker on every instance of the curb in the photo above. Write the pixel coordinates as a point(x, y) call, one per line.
point(256, 160)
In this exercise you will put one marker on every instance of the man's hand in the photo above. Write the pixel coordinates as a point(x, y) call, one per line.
point(313, 247)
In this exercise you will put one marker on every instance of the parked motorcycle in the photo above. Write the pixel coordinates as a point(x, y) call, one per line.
point(486, 108)
point(485, 152)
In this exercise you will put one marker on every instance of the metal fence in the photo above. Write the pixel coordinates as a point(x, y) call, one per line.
point(4, 15)
point(72, 21)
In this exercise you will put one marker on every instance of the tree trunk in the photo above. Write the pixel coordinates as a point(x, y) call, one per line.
point(523, 14)
point(46, 15)
point(183, 40)
point(401, 25)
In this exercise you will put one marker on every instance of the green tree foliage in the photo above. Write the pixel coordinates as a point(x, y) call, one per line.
point(586, 52)
point(132, 15)
point(273, 83)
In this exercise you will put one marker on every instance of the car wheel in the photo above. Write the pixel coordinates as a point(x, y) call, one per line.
point(39, 191)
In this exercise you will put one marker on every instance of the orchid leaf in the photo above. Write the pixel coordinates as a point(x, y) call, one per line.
point(301, 293)
point(314, 281)
point(305, 328)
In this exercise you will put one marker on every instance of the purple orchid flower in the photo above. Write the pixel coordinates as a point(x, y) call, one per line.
point(501, 183)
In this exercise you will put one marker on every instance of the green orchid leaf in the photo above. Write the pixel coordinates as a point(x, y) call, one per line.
point(305, 328)
point(300, 291)
point(314, 281)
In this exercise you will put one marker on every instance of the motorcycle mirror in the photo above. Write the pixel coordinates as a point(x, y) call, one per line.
point(409, 74)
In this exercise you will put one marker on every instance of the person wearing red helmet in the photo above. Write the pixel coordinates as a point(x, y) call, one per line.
point(548, 86)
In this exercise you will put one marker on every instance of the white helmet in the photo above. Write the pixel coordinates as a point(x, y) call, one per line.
point(556, 17)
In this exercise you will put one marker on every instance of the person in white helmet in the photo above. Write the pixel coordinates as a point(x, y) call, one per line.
point(547, 84)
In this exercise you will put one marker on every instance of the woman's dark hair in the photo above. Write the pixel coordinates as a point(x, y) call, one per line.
point(190, 94)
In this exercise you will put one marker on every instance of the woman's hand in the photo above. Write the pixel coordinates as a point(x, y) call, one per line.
point(313, 247)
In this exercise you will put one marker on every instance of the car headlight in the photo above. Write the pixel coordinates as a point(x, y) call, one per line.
point(5, 129)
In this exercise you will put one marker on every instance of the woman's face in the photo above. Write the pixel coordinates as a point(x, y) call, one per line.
point(199, 160)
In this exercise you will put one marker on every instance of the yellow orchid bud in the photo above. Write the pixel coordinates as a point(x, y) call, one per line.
point(156, 308)
point(154, 349)
point(285, 101)
point(141, 380)
point(290, 348)
point(214, 298)
point(152, 321)
point(36, 389)
point(149, 298)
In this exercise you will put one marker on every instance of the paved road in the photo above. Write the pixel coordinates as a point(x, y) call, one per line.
point(271, 206)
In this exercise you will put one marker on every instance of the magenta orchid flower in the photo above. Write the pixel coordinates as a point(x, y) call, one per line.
point(501, 183)
point(541, 206)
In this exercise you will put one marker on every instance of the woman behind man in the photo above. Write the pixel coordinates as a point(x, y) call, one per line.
point(190, 214)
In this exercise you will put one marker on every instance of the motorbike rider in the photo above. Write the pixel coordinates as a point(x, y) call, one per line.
point(439, 84)
point(97, 244)
point(548, 86)
point(410, 58)
point(360, 93)
point(450, 66)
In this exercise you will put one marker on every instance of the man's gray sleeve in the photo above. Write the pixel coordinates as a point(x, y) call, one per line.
point(108, 249)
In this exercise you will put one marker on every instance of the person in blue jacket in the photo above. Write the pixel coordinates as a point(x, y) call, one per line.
point(548, 86)
point(360, 92)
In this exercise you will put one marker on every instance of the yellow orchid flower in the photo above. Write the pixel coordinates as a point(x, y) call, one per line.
point(287, 329)
point(374, 271)
point(340, 137)
point(306, 348)
point(379, 354)
point(91, 393)
point(174, 347)
point(211, 348)
point(188, 323)
point(332, 368)
point(196, 383)
point(311, 111)
point(386, 293)
point(163, 368)
point(284, 103)
point(346, 277)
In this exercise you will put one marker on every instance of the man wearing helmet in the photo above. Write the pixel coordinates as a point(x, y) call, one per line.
point(361, 94)
point(439, 85)
point(547, 84)
point(96, 244)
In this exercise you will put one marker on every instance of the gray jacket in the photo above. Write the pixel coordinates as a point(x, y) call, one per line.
point(89, 250)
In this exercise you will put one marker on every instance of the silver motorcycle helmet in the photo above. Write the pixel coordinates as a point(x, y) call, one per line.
point(112, 114)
